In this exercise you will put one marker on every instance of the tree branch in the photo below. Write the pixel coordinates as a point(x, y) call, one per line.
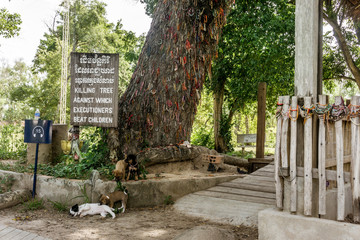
point(340, 78)
point(344, 48)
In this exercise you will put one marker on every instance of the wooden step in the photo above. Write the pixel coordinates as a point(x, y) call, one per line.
point(243, 192)
point(236, 197)
point(253, 187)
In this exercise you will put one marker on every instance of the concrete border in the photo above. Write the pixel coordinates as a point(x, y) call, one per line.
point(278, 225)
point(143, 193)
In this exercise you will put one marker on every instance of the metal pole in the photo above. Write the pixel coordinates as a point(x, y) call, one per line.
point(35, 169)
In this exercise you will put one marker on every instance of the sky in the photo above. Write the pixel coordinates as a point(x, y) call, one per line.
point(35, 14)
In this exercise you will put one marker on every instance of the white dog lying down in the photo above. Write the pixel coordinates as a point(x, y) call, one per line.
point(91, 209)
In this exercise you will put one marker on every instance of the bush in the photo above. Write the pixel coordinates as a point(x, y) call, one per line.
point(12, 144)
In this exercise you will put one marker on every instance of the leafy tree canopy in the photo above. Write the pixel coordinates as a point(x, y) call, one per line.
point(90, 31)
point(9, 23)
point(258, 45)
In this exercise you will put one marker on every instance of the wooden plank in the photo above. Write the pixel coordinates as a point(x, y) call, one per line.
point(261, 117)
point(277, 159)
point(330, 175)
point(262, 178)
point(6, 231)
point(284, 132)
point(331, 162)
point(244, 192)
point(321, 159)
point(236, 197)
point(340, 165)
point(263, 174)
point(21, 236)
point(2, 227)
point(257, 182)
point(294, 113)
point(308, 160)
point(12, 235)
point(31, 236)
point(355, 163)
point(253, 187)
point(86, 91)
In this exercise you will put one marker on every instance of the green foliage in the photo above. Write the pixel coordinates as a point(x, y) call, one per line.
point(84, 194)
point(203, 134)
point(168, 200)
point(119, 186)
point(225, 130)
point(257, 45)
point(6, 183)
point(25, 90)
point(149, 6)
point(34, 204)
point(16, 168)
point(60, 206)
point(12, 144)
point(343, 40)
point(17, 84)
point(9, 23)
point(142, 168)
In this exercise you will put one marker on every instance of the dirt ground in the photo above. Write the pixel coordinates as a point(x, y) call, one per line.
point(150, 223)
point(161, 222)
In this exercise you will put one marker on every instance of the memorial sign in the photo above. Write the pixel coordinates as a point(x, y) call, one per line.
point(94, 89)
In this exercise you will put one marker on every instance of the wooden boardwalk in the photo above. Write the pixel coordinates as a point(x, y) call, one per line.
point(235, 202)
point(10, 233)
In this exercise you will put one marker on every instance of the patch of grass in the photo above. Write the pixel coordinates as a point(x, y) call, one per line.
point(6, 183)
point(168, 200)
point(60, 206)
point(83, 194)
point(33, 204)
point(15, 168)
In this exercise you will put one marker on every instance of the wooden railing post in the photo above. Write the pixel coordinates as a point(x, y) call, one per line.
point(321, 159)
point(294, 113)
point(277, 161)
point(355, 160)
point(340, 165)
point(308, 160)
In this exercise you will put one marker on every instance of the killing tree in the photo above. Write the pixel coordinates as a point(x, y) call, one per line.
point(159, 106)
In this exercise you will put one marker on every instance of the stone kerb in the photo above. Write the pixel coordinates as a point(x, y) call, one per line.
point(142, 193)
point(274, 224)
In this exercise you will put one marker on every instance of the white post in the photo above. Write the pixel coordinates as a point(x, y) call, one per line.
point(294, 113)
point(278, 180)
point(306, 47)
point(321, 165)
point(308, 160)
point(340, 166)
point(355, 159)
point(284, 133)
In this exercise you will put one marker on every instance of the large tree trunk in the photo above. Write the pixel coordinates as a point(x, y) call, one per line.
point(220, 144)
point(159, 106)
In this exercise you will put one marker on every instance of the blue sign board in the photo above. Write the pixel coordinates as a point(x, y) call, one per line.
point(38, 131)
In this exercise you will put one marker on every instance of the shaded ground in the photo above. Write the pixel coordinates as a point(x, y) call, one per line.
point(151, 223)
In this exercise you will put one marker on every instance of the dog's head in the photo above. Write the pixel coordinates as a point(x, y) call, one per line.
point(118, 174)
point(74, 209)
point(131, 159)
point(104, 199)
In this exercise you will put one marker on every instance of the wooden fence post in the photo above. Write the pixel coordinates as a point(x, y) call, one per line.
point(261, 117)
point(294, 113)
point(355, 159)
point(321, 156)
point(284, 133)
point(308, 160)
point(278, 180)
point(340, 165)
